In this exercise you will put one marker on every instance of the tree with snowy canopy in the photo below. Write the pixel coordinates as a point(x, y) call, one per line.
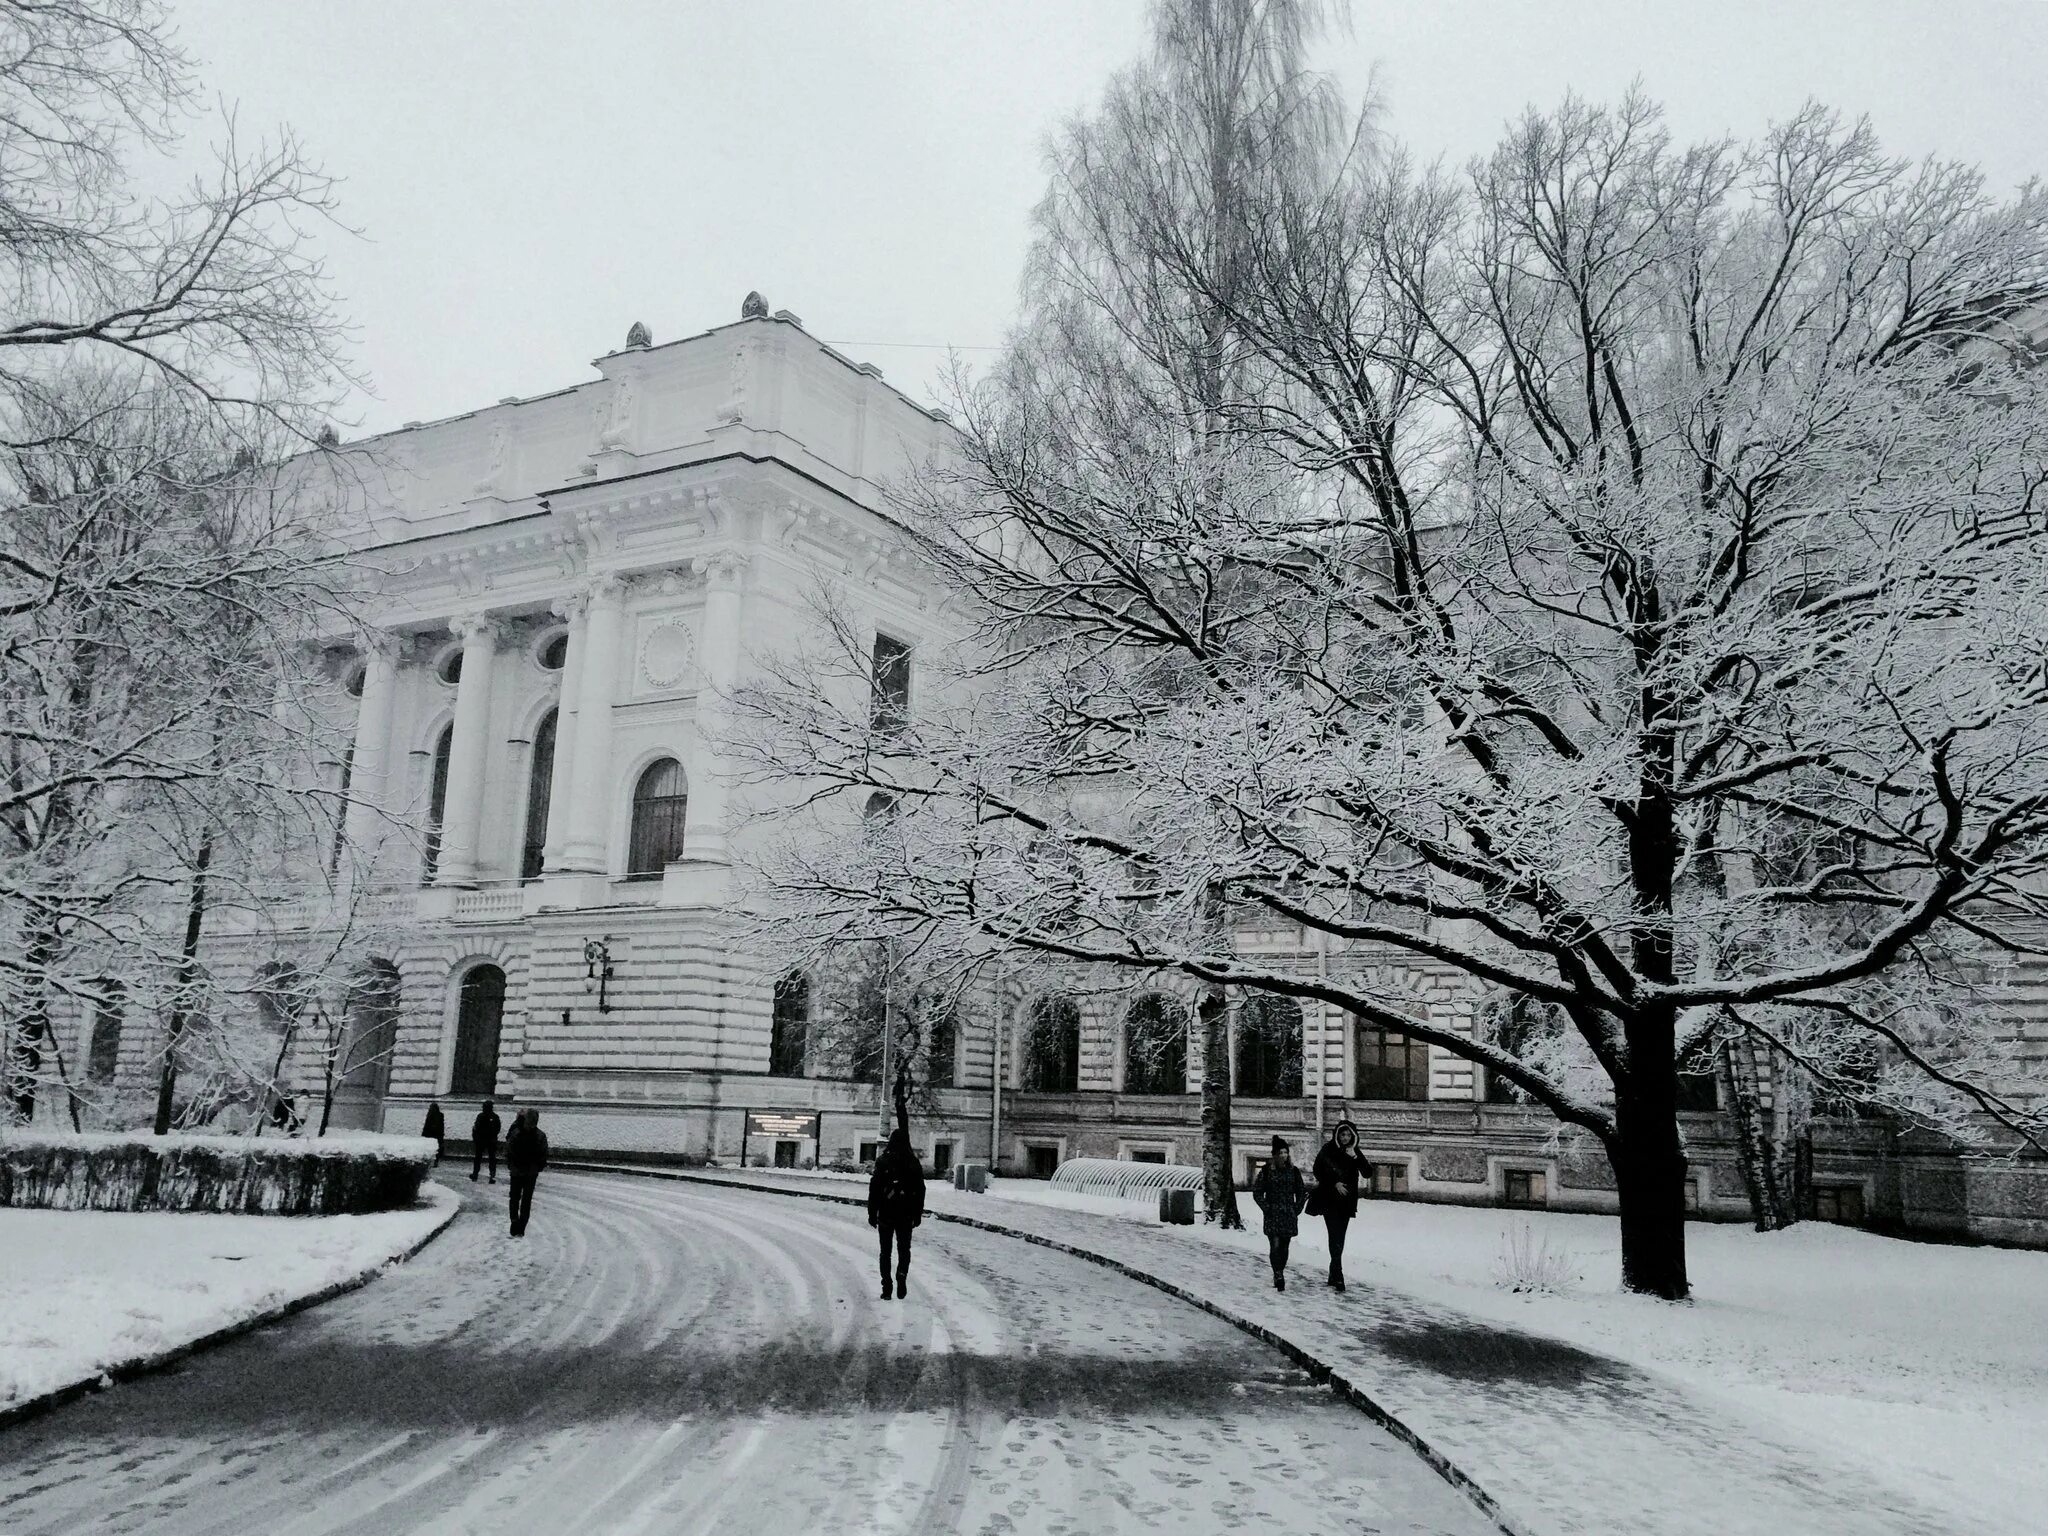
point(1614, 572)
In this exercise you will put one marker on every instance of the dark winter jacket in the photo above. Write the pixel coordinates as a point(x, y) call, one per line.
point(436, 1127)
point(526, 1149)
point(483, 1131)
point(1280, 1193)
point(896, 1191)
point(1340, 1175)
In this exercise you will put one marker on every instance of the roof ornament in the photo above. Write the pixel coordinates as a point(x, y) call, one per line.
point(637, 335)
point(755, 308)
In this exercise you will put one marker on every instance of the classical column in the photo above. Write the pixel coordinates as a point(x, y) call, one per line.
point(462, 816)
point(562, 781)
point(718, 657)
point(590, 807)
point(370, 761)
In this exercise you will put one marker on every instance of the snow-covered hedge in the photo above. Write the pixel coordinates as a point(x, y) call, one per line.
point(268, 1176)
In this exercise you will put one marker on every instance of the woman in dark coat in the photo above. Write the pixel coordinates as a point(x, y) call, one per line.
point(1281, 1192)
point(896, 1205)
point(435, 1130)
point(1340, 1174)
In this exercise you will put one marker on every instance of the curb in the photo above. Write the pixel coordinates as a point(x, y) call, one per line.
point(1319, 1369)
point(144, 1365)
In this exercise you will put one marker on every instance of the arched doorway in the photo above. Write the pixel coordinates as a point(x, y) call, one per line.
point(479, 1014)
point(362, 1057)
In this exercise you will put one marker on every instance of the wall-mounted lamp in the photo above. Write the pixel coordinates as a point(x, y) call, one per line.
point(597, 963)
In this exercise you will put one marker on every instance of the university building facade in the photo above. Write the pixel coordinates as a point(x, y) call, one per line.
point(568, 582)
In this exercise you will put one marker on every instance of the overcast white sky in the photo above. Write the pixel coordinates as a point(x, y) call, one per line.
point(531, 177)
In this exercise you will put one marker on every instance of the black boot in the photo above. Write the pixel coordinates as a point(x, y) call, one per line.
point(886, 1294)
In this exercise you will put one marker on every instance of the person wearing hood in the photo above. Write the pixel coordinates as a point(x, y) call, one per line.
point(896, 1205)
point(436, 1129)
point(526, 1154)
point(1340, 1174)
point(1280, 1192)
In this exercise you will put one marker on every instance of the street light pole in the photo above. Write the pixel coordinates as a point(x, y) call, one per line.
point(884, 1097)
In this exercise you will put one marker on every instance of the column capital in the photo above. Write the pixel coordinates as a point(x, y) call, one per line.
point(726, 567)
point(609, 589)
point(570, 605)
point(474, 626)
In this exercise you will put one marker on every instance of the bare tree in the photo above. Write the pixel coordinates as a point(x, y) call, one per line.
point(1615, 577)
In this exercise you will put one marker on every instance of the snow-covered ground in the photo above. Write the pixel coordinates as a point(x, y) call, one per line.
point(1925, 1365)
point(84, 1291)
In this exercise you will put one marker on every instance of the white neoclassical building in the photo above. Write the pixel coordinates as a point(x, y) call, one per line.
point(568, 584)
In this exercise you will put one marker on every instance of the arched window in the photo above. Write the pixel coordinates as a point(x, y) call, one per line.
point(1269, 1047)
point(369, 1033)
point(554, 654)
point(1155, 1047)
point(348, 767)
point(104, 1061)
point(940, 1023)
point(1387, 1064)
point(1052, 1047)
point(437, 798)
point(790, 1038)
point(540, 780)
point(658, 801)
point(479, 1013)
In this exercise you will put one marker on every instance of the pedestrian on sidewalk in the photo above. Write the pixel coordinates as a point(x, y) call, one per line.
point(436, 1129)
point(526, 1154)
point(483, 1142)
point(1340, 1174)
point(1281, 1192)
point(896, 1205)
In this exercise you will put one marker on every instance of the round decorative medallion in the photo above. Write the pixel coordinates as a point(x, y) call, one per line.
point(666, 653)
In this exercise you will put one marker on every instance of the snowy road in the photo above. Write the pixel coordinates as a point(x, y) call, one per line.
point(676, 1358)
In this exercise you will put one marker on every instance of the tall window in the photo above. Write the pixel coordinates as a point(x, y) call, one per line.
point(1387, 1064)
point(790, 1037)
point(104, 1060)
point(479, 1015)
point(1052, 1047)
point(866, 1022)
point(437, 798)
point(1155, 1047)
point(891, 702)
point(658, 802)
point(540, 779)
point(370, 1034)
point(941, 1042)
point(1269, 1047)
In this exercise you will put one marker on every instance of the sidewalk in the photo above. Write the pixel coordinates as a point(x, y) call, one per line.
point(1563, 1441)
point(92, 1297)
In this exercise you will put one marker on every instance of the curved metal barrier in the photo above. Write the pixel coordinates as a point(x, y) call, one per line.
point(1126, 1181)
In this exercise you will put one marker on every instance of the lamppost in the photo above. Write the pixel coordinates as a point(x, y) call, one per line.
point(597, 968)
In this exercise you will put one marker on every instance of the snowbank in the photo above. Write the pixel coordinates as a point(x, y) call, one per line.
point(130, 1171)
point(89, 1294)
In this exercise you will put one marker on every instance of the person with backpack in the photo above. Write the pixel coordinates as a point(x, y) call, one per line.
point(526, 1154)
point(436, 1129)
point(1340, 1174)
point(896, 1205)
point(1281, 1192)
point(483, 1142)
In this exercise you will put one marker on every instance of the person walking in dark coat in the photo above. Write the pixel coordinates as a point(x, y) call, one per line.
point(1281, 1192)
point(526, 1154)
point(1340, 1175)
point(895, 1205)
point(436, 1129)
point(483, 1142)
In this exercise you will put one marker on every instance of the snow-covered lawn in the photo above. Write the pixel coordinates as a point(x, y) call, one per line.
point(84, 1291)
point(1924, 1365)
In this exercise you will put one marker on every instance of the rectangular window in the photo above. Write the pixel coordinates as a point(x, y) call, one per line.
point(786, 1153)
point(1388, 1180)
point(1524, 1187)
point(1698, 1093)
point(891, 684)
point(1837, 1202)
point(1252, 1165)
point(1041, 1162)
point(869, 1151)
point(1692, 1195)
point(942, 1159)
point(1147, 1155)
point(1389, 1065)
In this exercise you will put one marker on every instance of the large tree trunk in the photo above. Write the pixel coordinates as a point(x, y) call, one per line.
point(188, 972)
point(1219, 1189)
point(32, 1034)
point(1649, 1162)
